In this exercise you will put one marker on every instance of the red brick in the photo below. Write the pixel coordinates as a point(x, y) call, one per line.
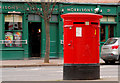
point(92, 1)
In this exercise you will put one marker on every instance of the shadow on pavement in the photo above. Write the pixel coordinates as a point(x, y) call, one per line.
point(110, 64)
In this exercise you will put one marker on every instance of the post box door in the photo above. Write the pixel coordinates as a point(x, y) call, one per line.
point(68, 44)
point(86, 44)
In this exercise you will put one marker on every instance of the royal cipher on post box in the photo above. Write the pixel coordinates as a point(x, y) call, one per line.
point(81, 46)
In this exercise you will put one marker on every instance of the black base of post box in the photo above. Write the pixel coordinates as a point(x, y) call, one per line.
point(81, 72)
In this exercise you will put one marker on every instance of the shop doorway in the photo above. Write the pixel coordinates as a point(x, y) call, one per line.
point(34, 39)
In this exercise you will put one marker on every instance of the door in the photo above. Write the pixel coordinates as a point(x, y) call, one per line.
point(34, 39)
point(54, 40)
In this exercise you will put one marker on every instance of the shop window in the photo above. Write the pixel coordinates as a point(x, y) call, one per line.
point(9, 38)
point(102, 33)
point(13, 31)
point(110, 31)
point(111, 19)
point(31, 17)
point(9, 22)
point(54, 18)
point(9, 25)
point(108, 19)
point(104, 19)
point(34, 17)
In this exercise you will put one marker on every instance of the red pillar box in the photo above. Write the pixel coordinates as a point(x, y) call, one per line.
point(81, 46)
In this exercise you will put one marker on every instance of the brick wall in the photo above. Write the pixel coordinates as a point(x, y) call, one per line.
point(92, 1)
point(79, 1)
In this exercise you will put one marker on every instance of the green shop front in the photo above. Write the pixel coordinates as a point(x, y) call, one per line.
point(22, 31)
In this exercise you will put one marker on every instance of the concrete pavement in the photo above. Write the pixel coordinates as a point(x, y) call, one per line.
point(53, 62)
point(33, 63)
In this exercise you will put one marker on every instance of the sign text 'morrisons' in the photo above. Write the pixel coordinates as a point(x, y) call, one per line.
point(80, 9)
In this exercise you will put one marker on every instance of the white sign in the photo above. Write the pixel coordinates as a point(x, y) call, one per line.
point(78, 31)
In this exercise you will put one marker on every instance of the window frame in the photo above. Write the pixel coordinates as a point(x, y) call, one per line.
point(13, 31)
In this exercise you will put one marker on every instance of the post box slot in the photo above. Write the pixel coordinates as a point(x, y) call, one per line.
point(94, 23)
point(78, 22)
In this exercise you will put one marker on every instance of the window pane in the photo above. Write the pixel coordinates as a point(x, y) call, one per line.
point(9, 18)
point(17, 18)
point(17, 37)
point(110, 31)
point(37, 18)
point(102, 33)
point(104, 19)
point(17, 22)
point(9, 38)
point(34, 17)
point(111, 19)
point(9, 22)
point(31, 17)
point(17, 25)
point(8, 25)
point(54, 18)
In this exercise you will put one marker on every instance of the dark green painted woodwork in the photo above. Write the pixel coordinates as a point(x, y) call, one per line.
point(25, 36)
point(60, 51)
point(106, 32)
point(53, 41)
point(18, 7)
point(118, 21)
point(1, 32)
point(1, 35)
point(54, 36)
point(9, 53)
point(43, 37)
point(12, 54)
point(60, 30)
point(77, 8)
point(23, 7)
point(56, 25)
point(1, 6)
point(108, 10)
